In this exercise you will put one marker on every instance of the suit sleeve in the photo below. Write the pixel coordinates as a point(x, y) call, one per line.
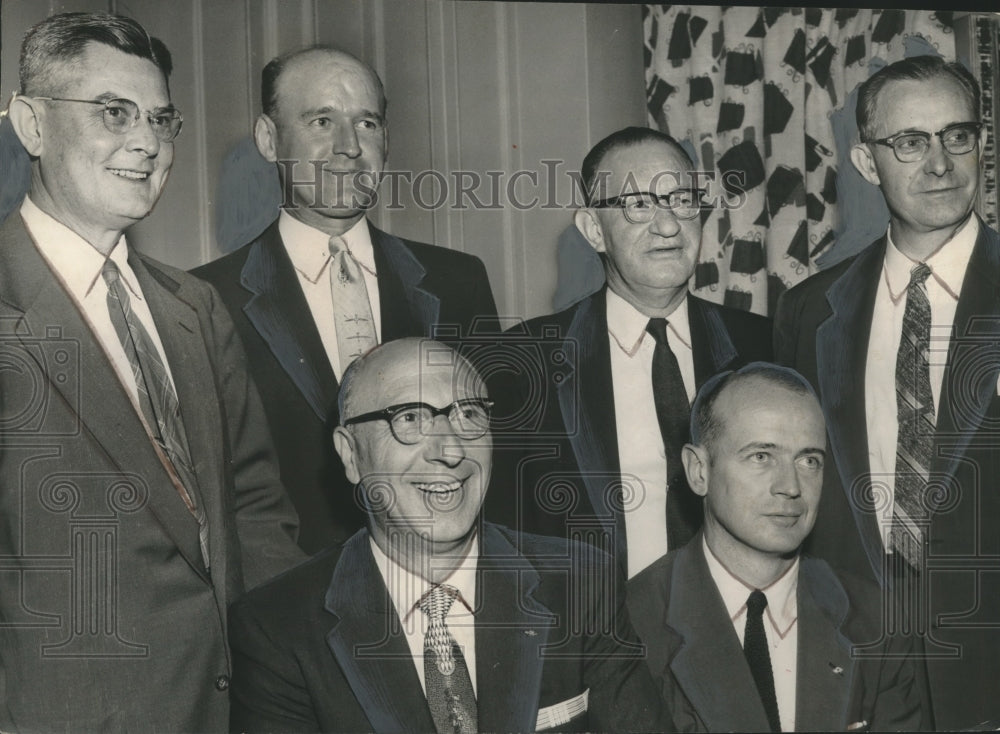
point(786, 324)
point(266, 523)
point(267, 692)
point(623, 695)
point(902, 702)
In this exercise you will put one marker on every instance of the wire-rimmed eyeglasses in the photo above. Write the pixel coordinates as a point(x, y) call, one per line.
point(912, 145)
point(639, 207)
point(411, 422)
point(121, 115)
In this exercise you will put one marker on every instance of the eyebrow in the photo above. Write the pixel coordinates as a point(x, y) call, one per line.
point(327, 109)
point(762, 445)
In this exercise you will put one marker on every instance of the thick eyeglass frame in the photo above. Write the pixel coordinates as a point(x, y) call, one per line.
point(658, 201)
point(389, 415)
point(163, 134)
point(902, 157)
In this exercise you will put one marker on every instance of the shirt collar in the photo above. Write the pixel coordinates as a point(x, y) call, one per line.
point(627, 325)
point(77, 262)
point(948, 263)
point(309, 248)
point(782, 601)
point(407, 589)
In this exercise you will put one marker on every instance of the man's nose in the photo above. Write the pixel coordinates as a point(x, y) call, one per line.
point(140, 137)
point(345, 140)
point(442, 445)
point(664, 223)
point(938, 161)
point(787, 480)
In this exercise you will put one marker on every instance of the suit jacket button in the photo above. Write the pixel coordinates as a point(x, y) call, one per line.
point(222, 682)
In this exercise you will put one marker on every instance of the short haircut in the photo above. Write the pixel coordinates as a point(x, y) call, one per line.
point(271, 73)
point(624, 138)
point(706, 425)
point(63, 38)
point(916, 68)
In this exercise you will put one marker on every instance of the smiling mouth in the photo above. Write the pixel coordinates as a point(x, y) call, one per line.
point(130, 175)
point(440, 487)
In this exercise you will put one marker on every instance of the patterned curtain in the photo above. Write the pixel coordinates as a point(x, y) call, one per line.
point(768, 94)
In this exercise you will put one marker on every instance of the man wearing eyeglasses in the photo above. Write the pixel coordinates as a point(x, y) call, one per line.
point(620, 368)
point(429, 619)
point(140, 490)
point(901, 343)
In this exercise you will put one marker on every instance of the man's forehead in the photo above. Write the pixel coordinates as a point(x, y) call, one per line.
point(319, 68)
point(648, 165)
point(101, 69)
point(900, 99)
point(416, 374)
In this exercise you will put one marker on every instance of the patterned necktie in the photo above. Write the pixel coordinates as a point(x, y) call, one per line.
point(673, 413)
point(157, 399)
point(757, 655)
point(352, 310)
point(915, 414)
point(449, 688)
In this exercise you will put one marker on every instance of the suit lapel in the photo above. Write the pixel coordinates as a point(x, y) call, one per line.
point(587, 404)
point(841, 357)
point(184, 345)
point(511, 631)
point(708, 661)
point(407, 309)
point(711, 345)
point(30, 287)
point(367, 640)
point(825, 667)
point(280, 313)
point(973, 355)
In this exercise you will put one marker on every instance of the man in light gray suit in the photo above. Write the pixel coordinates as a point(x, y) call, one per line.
point(140, 494)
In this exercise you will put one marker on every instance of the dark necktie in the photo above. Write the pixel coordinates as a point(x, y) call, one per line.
point(157, 399)
point(758, 657)
point(673, 413)
point(915, 415)
point(446, 677)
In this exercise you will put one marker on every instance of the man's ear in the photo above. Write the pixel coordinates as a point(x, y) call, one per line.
point(26, 118)
point(343, 442)
point(695, 459)
point(590, 227)
point(864, 161)
point(265, 135)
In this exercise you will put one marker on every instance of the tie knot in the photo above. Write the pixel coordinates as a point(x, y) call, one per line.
point(437, 602)
point(657, 328)
point(110, 272)
point(919, 274)
point(756, 603)
point(337, 244)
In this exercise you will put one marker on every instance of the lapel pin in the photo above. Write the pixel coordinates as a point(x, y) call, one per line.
point(530, 633)
point(836, 669)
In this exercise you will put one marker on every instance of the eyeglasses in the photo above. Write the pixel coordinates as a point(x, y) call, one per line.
point(641, 206)
point(912, 146)
point(411, 422)
point(121, 115)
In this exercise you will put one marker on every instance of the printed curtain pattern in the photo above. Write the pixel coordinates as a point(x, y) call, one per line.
point(767, 93)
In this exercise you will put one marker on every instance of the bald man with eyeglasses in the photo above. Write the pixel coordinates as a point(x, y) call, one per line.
point(431, 619)
point(140, 489)
point(900, 342)
point(610, 380)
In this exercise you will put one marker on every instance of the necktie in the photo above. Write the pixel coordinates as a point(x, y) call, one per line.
point(915, 414)
point(157, 399)
point(673, 413)
point(352, 310)
point(757, 655)
point(446, 677)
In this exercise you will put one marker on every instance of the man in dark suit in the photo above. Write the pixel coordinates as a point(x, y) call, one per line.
point(901, 343)
point(323, 105)
point(140, 488)
point(532, 635)
point(603, 409)
point(744, 632)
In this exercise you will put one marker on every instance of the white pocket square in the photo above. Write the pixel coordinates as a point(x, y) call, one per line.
point(559, 713)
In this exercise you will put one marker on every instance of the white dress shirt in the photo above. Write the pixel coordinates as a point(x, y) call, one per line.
point(77, 264)
point(309, 250)
point(406, 589)
point(948, 265)
point(781, 626)
point(640, 444)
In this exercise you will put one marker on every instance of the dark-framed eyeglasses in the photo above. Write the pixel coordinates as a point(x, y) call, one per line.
point(640, 207)
point(912, 145)
point(121, 115)
point(411, 422)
